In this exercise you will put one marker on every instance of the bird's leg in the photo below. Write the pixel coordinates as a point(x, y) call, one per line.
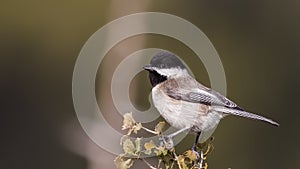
point(167, 141)
point(196, 141)
point(194, 148)
point(203, 153)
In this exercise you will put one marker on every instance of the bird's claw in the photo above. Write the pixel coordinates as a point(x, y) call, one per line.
point(194, 151)
point(197, 154)
point(167, 142)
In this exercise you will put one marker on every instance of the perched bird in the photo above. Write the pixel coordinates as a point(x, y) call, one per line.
point(185, 103)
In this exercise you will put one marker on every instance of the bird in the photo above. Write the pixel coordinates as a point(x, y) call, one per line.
point(185, 103)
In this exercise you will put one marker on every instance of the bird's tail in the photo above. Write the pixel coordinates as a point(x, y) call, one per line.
point(242, 113)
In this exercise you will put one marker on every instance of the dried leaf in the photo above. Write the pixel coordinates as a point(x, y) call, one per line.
point(149, 146)
point(123, 164)
point(137, 127)
point(159, 127)
point(181, 162)
point(191, 155)
point(128, 121)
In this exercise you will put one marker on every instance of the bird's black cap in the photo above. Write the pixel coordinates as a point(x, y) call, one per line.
point(165, 60)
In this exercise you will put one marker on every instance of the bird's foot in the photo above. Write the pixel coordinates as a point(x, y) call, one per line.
point(196, 158)
point(194, 151)
point(207, 147)
point(200, 159)
point(167, 142)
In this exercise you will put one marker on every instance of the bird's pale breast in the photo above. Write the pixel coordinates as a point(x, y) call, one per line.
point(182, 114)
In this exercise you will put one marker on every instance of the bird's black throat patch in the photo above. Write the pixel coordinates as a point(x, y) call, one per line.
point(156, 78)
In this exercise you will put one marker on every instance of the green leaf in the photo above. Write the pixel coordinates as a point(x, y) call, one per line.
point(128, 147)
point(138, 145)
point(161, 151)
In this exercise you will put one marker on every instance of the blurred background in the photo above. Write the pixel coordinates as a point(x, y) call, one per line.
point(258, 43)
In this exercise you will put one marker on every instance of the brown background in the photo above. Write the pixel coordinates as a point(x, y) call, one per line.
point(258, 43)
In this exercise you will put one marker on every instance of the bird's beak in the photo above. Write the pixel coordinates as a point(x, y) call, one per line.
point(148, 67)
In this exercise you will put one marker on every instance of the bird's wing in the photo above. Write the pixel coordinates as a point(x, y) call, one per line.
point(219, 103)
point(201, 95)
point(196, 93)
